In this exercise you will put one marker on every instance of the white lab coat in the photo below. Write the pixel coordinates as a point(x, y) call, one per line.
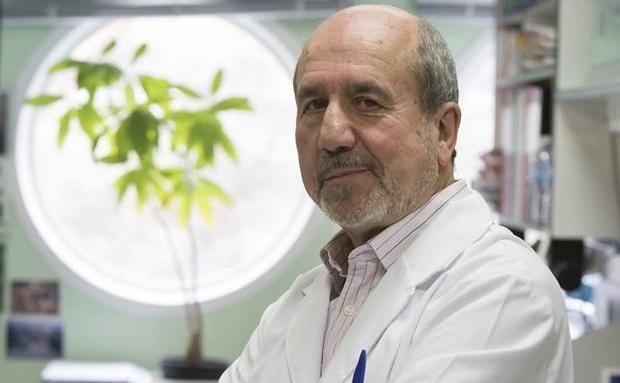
point(467, 302)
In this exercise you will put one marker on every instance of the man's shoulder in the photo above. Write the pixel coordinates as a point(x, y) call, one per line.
point(500, 254)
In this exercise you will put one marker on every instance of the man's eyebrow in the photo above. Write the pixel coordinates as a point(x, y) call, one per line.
point(307, 91)
point(371, 87)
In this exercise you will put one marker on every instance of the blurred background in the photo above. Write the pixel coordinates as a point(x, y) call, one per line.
point(109, 109)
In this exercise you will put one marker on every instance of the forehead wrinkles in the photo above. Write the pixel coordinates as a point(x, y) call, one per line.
point(351, 71)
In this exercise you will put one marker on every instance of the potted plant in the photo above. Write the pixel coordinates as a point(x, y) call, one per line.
point(153, 117)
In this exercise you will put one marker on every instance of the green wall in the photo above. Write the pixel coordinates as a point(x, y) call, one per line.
point(102, 332)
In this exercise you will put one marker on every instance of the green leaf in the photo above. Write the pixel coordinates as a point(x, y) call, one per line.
point(183, 115)
point(172, 174)
point(121, 140)
point(227, 145)
point(141, 180)
point(113, 159)
point(187, 91)
point(238, 103)
point(89, 120)
point(94, 76)
point(213, 190)
point(156, 185)
point(122, 185)
point(216, 83)
point(204, 204)
point(64, 64)
point(183, 193)
point(94, 142)
point(180, 132)
point(139, 52)
point(44, 99)
point(156, 89)
point(139, 133)
point(130, 97)
point(65, 122)
point(202, 138)
point(111, 45)
point(135, 179)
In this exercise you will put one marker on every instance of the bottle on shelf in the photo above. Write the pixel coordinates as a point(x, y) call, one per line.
point(540, 184)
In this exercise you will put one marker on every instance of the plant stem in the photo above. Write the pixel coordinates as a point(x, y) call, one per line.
point(194, 351)
point(176, 260)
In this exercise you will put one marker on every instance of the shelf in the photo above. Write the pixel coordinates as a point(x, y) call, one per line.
point(589, 93)
point(579, 117)
point(543, 10)
point(526, 78)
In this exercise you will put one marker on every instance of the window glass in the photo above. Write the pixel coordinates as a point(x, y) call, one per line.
point(73, 205)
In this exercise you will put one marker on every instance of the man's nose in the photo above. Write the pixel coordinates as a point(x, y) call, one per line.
point(336, 130)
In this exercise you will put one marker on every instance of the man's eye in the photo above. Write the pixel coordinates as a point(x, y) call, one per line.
point(367, 103)
point(316, 104)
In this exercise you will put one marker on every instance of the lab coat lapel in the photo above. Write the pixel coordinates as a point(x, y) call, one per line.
point(304, 338)
point(459, 224)
point(378, 311)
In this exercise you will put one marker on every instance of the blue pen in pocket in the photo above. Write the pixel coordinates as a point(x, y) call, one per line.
point(360, 369)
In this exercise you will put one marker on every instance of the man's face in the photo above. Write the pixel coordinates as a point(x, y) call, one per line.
point(366, 155)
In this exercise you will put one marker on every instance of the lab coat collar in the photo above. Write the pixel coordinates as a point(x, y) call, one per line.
point(304, 339)
point(461, 223)
point(457, 225)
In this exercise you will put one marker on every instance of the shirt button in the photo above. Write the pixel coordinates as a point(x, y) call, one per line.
point(349, 310)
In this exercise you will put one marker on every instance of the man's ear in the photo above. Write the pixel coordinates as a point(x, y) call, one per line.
point(447, 120)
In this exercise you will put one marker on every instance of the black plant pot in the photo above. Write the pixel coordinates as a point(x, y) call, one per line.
point(181, 369)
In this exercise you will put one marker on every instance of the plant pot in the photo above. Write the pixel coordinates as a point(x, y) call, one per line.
point(181, 369)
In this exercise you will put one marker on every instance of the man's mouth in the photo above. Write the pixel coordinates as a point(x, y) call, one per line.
point(343, 172)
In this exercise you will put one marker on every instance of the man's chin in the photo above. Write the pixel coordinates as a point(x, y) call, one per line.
point(352, 215)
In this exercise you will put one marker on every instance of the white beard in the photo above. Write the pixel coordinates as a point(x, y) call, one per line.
point(386, 202)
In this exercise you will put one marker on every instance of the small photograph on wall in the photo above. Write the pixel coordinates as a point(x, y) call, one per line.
point(4, 99)
point(2, 227)
point(34, 338)
point(34, 297)
point(1, 275)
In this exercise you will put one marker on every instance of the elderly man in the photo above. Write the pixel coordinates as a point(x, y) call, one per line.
point(420, 281)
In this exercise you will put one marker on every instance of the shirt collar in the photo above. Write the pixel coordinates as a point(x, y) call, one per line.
point(393, 240)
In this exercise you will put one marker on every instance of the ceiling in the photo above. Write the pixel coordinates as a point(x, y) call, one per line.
point(76, 8)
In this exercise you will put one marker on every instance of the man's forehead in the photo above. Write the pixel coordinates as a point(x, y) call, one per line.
point(361, 25)
point(351, 65)
point(380, 30)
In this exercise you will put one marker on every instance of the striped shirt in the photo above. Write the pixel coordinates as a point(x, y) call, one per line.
point(368, 263)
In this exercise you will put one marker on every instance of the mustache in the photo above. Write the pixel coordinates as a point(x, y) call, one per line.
point(347, 160)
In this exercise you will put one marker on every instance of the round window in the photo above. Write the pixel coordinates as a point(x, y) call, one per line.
point(145, 255)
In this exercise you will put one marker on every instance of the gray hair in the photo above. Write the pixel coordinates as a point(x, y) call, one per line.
point(433, 69)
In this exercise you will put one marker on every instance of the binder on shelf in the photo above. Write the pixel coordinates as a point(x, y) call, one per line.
point(520, 129)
